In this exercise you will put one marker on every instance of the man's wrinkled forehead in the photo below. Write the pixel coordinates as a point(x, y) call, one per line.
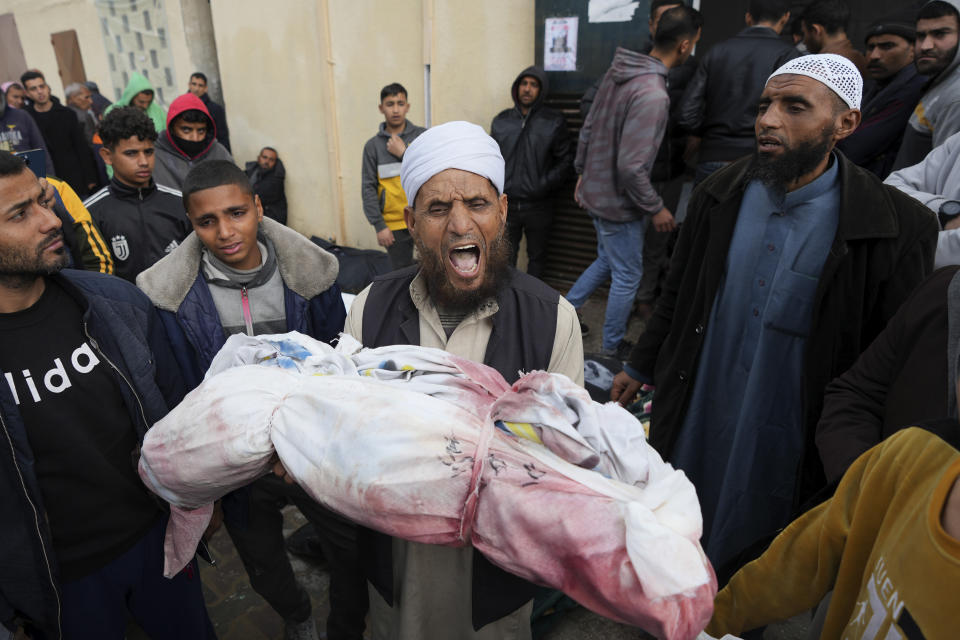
point(455, 184)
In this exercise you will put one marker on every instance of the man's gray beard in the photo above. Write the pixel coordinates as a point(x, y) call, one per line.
point(19, 269)
point(796, 161)
point(453, 300)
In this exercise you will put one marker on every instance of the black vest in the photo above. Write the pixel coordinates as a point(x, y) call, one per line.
point(522, 339)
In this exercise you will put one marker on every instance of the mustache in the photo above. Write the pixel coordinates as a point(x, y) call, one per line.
point(55, 236)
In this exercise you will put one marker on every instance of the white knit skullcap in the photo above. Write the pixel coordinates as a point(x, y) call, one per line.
point(453, 145)
point(837, 72)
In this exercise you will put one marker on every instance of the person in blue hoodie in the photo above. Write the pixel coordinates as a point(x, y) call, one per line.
point(239, 272)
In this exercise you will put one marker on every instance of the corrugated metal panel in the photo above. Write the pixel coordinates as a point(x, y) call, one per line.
point(573, 242)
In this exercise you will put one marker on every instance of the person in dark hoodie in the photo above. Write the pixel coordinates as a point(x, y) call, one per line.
point(937, 115)
point(617, 147)
point(18, 132)
point(198, 87)
point(890, 99)
point(63, 134)
point(141, 220)
point(190, 138)
point(241, 273)
point(266, 175)
point(538, 152)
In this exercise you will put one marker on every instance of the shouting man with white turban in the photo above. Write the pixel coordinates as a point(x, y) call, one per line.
point(464, 297)
point(790, 262)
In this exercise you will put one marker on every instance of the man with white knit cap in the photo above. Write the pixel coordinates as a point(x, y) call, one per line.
point(789, 264)
point(462, 296)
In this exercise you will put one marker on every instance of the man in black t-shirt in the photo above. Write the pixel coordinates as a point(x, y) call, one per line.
point(84, 372)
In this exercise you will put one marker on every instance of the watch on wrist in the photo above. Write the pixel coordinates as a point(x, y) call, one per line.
point(949, 210)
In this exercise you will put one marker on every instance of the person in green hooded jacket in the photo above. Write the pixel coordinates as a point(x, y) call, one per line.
point(140, 93)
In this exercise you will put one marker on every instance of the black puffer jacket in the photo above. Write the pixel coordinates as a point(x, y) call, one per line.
point(139, 225)
point(537, 147)
point(720, 103)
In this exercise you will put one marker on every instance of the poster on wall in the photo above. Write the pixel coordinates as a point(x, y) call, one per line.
point(560, 44)
point(611, 10)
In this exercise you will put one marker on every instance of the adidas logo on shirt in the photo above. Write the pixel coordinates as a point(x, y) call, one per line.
point(57, 379)
point(170, 247)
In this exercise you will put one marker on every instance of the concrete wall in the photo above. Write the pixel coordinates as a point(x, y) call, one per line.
point(307, 79)
point(304, 76)
point(37, 19)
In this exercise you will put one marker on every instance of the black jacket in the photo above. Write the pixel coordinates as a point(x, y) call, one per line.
point(219, 115)
point(125, 330)
point(905, 377)
point(70, 152)
point(886, 111)
point(139, 225)
point(269, 186)
point(884, 247)
point(537, 147)
point(720, 103)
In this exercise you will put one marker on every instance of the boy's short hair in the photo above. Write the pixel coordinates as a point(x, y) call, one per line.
point(31, 75)
point(211, 174)
point(201, 75)
point(768, 10)
point(393, 89)
point(656, 4)
point(677, 24)
point(123, 123)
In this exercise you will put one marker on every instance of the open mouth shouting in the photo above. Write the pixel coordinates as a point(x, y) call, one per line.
point(465, 260)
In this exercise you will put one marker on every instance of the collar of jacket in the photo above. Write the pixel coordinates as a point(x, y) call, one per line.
point(382, 131)
point(860, 192)
point(306, 269)
point(758, 31)
point(121, 190)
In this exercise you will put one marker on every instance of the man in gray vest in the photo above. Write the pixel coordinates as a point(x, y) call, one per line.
point(463, 297)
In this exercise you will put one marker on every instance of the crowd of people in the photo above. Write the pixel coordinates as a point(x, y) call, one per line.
point(803, 351)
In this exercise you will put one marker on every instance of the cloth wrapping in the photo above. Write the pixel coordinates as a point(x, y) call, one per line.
point(419, 444)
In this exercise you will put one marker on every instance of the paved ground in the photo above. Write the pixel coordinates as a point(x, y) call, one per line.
point(240, 614)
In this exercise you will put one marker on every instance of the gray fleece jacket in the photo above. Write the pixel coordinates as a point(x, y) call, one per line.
point(306, 269)
point(937, 116)
point(933, 182)
point(620, 138)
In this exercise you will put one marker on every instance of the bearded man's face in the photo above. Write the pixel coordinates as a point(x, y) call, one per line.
point(458, 222)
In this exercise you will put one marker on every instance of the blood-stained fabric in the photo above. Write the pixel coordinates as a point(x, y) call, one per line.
point(425, 446)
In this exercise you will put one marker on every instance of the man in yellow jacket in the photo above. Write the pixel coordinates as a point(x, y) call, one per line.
point(383, 197)
point(887, 544)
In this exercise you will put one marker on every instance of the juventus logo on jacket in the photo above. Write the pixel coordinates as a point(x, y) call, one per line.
point(121, 249)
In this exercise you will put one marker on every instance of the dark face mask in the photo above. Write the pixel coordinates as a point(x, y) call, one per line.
point(190, 147)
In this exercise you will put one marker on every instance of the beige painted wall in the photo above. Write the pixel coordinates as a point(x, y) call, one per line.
point(305, 77)
point(37, 19)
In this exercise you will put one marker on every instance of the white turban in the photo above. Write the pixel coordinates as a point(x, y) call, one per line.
point(454, 145)
point(836, 72)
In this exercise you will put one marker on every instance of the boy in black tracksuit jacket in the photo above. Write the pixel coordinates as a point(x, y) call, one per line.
point(140, 220)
